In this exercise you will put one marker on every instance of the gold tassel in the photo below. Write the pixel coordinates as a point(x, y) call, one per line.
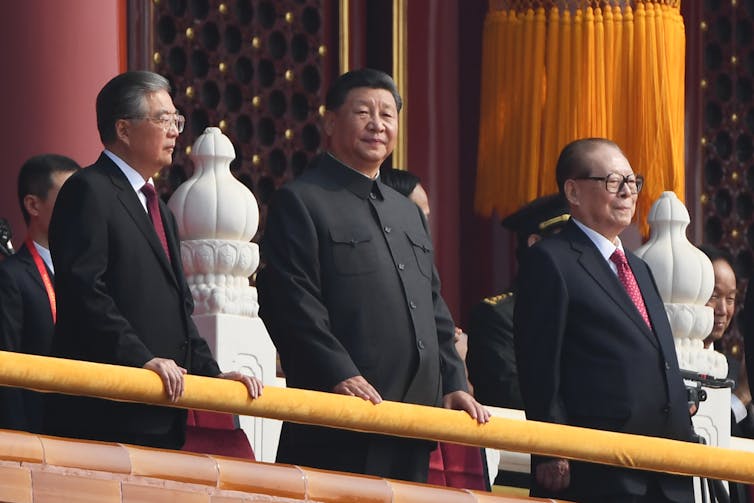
point(592, 68)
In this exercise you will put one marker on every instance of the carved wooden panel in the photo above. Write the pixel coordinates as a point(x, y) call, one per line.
point(727, 33)
point(255, 68)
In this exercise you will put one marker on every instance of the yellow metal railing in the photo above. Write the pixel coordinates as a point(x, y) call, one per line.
point(392, 418)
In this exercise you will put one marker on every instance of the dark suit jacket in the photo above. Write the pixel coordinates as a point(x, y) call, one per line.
point(26, 326)
point(350, 288)
point(587, 358)
point(120, 301)
point(491, 358)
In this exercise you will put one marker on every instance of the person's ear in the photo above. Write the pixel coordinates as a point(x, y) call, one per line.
point(31, 204)
point(123, 130)
point(571, 192)
point(533, 238)
point(328, 122)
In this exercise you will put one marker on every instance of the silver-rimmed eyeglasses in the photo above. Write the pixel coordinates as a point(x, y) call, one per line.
point(614, 182)
point(166, 121)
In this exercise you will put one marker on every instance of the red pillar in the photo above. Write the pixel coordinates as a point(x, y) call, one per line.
point(55, 58)
point(432, 104)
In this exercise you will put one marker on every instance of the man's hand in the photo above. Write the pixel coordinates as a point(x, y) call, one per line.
point(252, 384)
point(171, 375)
point(358, 386)
point(554, 475)
point(460, 400)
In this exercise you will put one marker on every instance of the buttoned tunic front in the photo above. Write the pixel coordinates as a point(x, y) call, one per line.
point(350, 288)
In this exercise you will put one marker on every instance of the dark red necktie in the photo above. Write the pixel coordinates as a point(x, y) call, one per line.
point(153, 208)
point(626, 276)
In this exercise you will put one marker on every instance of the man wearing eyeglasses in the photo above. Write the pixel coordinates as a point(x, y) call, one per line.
point(122, 297)
point(593, 342)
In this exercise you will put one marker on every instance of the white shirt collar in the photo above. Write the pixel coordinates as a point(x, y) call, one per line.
point(133, 176)
point(604, 245)
point(46, 256)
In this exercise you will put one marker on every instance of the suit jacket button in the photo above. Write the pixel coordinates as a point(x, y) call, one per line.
point(667, 366)
point(388, 229)
point(666, 409)
point(372, 195)
point(420, 343)
point(412, 305)
point(401, 267)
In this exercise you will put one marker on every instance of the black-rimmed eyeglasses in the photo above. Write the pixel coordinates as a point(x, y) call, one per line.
point(614, 182)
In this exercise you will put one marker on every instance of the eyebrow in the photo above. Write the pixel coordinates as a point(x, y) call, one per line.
point(380, 104)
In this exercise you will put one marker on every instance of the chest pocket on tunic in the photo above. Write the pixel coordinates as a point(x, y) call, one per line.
point(422, 247)
point(353, 251)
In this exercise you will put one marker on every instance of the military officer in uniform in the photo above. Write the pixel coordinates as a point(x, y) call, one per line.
point(491, 359)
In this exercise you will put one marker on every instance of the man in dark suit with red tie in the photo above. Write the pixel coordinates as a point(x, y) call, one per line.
point(593, 342)
point(122, 295)
point(27, 294)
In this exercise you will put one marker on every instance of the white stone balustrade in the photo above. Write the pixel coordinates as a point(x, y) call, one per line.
point(217, 216)
point(685, 280)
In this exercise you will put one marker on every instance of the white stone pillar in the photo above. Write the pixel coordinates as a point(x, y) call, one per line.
point(685, 278)
point(217, 216)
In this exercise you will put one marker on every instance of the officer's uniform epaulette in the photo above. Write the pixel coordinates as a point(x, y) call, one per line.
point(497, 298)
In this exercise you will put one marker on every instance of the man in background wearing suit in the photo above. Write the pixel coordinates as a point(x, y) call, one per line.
point(27, 295)
point(593, 342)
point(122, 295)
point(350, 294)
point(491, 358)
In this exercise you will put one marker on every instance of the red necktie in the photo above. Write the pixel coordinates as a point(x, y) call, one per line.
point(154, 214)
point(626, 276)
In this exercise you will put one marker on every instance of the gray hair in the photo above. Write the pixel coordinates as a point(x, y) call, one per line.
point(123, 97)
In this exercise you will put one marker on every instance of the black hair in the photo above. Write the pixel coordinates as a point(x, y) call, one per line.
point(399, 180)
point(365, 77)
point(35, 177)
point(572, 161)
point(714, 254)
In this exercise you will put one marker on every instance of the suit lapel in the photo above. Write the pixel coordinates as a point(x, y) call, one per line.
point(596, 266)
point(31, 267)
point(130, 201)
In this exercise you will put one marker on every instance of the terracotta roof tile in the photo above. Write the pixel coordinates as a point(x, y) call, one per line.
point(284, 481)
point(88, 455)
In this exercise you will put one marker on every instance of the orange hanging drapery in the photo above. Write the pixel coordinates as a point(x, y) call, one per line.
point(558, 70)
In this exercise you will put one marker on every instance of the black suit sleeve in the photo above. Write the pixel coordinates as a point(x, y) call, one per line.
point(452, 367)
point(202, 361)
point(291, 298)
point(540, 318)
point(79, 245)
point(12, 407)
point(11, 312)
point(491, 358)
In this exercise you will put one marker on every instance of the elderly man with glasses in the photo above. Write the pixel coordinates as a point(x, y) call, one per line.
point(122, 297)
point(593, 342)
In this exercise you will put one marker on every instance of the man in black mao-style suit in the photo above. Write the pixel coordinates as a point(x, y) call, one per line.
point(350, 294)
point(587, 356)
point(27, 295)
point(122, 295)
